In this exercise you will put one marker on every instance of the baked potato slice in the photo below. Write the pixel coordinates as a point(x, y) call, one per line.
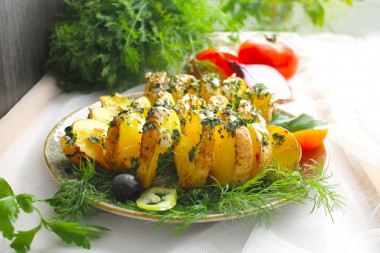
point(154, 84)
point(223, 164)
point(286, 151)
point(187, 103)
point(102, 114)
point(194, 153)
point(262, 100)
point(142, 105)
point(123, 140)
point(85, 137)
point(164, 99)
point(251, 114)
point(244, 156)
point(262, 149)
point(182, 84)
point(233, 88)
point(217, 103)
point(157, 138)
point(209, 86)
point(115, 102)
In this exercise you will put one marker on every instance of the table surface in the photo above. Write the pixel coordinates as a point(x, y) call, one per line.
point(337, 81)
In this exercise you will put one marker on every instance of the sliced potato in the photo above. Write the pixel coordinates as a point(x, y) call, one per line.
point(261, 147)
point(250, 113)
point(142, 105)
point(244, 156)
point(182, 84)
point(187, 103)
point(217, 103)
point(262, 100)
point(154, 84)
point(194, 154)
point(161, 124)
point(102, 114)
point(85, 137)
point(115, 102)
point(123, 140)
point(223, 165)
point(164, 99)
point(233, 88)
point(209, 86)
point(286, 151)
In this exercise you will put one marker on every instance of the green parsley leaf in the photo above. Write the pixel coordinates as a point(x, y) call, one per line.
point(6, 227)
point(26, 202)
point(72, 232)
point(8, 208)
point(5, 189)
point(23, 239)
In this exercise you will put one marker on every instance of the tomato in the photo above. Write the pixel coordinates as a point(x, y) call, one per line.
point(218, 59)
point(311, 138)
point(275, 52)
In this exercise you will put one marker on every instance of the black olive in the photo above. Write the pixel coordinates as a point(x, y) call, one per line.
point(126, 187)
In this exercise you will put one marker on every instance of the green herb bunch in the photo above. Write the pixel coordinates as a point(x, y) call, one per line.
point(111, 44)
point(10, 207)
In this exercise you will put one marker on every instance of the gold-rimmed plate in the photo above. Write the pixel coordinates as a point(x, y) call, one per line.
point(60, 166)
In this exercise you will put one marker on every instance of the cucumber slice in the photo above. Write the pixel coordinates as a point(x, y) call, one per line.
point(157, 199)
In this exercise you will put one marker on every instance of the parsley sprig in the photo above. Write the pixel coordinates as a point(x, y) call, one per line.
point(10, 207)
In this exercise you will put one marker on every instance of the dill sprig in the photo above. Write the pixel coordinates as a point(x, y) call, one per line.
point(73, 200)
point(256, 200)
point(110, 45)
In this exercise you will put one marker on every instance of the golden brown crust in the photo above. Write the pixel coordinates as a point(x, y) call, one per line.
point(147, 171)
point(244, 156)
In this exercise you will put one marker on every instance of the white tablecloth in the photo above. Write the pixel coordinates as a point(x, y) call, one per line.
point(338, 80)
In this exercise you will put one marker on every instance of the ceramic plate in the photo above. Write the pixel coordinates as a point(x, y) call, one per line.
point(58, 164)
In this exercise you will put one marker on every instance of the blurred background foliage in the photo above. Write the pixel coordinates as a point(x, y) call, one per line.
point(284, 15)
point(110, 45)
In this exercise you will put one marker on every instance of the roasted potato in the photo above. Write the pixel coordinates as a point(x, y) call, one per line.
point(286, 151)
point(262, 149)
point(262, 100)
point(123, 140)
point(187, 103)
point(182, 84)
point(233, 88)
point(217, 103)
point(164, 99)
point(233, 153)
point(194, 153)
point(161, 124)
point(142, 105)
point(154, 84)
point(85, 137)
point(115, 102)
point(209, 86)
point(225, 140)
point(102, 114)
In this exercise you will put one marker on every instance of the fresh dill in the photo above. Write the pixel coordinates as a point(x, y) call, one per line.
point(73, 199)
point(256, 200)
point(110, 45)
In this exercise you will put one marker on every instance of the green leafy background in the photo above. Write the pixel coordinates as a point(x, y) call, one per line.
point(110, 45)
